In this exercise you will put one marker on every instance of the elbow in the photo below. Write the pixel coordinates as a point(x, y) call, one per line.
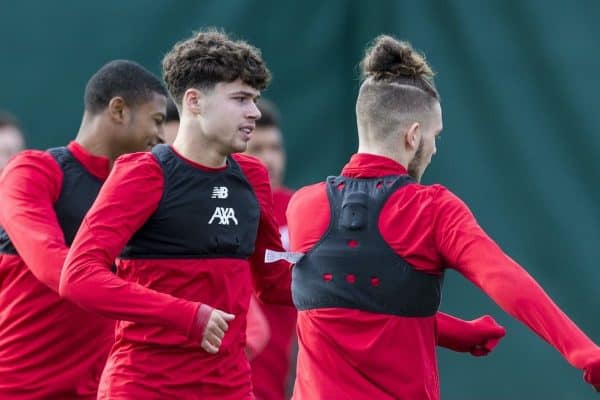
point(46, 277)
point(67, 288)
point(74, 292)
point(64, 287)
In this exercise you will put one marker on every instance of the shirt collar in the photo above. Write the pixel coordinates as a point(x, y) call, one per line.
point(99, 166)
point(364, 165)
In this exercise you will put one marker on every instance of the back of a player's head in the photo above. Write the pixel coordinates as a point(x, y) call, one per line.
point(210, 57)
point(269, 114)
point(397, 90)
point(123, 78)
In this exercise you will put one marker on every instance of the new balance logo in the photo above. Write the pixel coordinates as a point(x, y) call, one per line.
point(219, 192)
point(224, 214)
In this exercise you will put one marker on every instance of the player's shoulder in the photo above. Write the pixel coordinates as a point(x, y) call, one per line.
point(442, 193)
point(309, 194)
point(442, 198)
point(33, 155)
point(436, 196)
point(254, 170)
point(138, 159)
point(31, 158)
point(248, 162)
point(434, 191)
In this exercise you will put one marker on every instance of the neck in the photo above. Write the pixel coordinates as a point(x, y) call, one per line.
point(385, 151)
point(93, 137)
point(193, 145)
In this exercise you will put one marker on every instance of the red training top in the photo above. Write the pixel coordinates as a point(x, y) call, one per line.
point(49, 347)
point(353, 354)
point(157, 352)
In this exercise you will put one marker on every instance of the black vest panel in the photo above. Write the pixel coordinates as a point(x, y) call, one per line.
point(202, 214)
point(78, 192)
point(6, 246)
point(353, 267)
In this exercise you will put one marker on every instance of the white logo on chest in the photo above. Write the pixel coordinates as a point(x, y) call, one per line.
point(219, 192)
point(224, 214)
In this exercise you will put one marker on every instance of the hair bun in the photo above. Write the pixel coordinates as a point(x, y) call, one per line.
point(388, 58)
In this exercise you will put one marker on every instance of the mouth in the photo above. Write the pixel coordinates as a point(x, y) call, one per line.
point(246, 131)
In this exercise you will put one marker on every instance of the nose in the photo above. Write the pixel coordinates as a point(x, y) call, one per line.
point(160, 133)
point(253, 112)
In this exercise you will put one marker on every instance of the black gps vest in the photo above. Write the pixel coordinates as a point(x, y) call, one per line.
point(202, 214)
point(353, 267)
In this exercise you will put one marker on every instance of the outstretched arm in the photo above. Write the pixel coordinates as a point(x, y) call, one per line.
point(468, 249)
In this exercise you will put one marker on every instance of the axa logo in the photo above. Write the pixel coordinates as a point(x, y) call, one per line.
point(224, 215)
point(219, 192)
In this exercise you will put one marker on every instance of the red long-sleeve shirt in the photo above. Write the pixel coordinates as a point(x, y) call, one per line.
point(270, 369)
point(49, 347)
point(353, 354)
point(157, 352)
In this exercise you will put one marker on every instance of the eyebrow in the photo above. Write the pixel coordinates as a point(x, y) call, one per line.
point(245, 93)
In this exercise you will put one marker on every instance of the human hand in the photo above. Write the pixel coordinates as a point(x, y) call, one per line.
point(216, 326)
point(488, 334)
point(591, 374)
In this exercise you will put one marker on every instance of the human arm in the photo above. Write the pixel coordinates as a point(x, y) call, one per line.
point(128, 198)
point(468, 249)
point(29, 187)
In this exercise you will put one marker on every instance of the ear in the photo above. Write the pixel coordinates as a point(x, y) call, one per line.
point(116, 109)
point(192, 101)
point(412, 136)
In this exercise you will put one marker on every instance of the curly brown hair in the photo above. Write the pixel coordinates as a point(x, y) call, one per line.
point(210, 57)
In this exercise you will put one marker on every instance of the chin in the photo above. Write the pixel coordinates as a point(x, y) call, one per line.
point(239, 147)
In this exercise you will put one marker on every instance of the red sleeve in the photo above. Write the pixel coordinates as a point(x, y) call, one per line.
point(479, 336)
point(453, 333)
point(258, 332)
point(468, 249)
point(128, 198)
point(29, 187)
point(272, 282)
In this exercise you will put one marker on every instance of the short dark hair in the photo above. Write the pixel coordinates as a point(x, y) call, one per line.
point(210, 57)
point(172, 112)
point(134, 83)
point(269, 114)
point(8, 119)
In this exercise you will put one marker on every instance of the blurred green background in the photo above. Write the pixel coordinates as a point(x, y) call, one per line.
point(519, 87)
